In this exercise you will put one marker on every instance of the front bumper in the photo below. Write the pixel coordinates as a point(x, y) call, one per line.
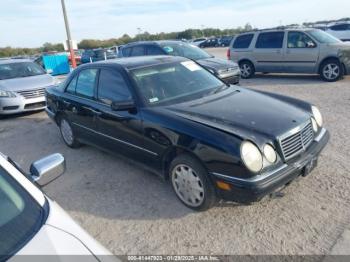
point(19, 104)
point(231, 78)
point(255, 188)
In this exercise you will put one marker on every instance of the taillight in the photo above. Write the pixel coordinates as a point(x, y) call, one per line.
point(228, 54)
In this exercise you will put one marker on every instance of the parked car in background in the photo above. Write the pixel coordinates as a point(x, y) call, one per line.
point(208, 138)
point(100, 54)
point(225, 41)
point(77, 55)
point(303, 50)
point(33, 224)
point(227, 71)
point(22, 86)
point(198, 41)
point(211, 42)
point(340, 30)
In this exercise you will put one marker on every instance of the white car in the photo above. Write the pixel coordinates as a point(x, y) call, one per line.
point(31, 223)
point(340, 30)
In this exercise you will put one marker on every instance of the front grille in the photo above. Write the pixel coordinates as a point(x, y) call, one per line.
point(35, 105)
point(32, 93)
point(297, 142)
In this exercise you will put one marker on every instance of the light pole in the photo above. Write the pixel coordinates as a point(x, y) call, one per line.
point(139, 32)
point(70, 44)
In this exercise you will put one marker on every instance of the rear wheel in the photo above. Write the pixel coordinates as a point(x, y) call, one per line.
point(331, 70)
point(67, 133)
point(191, 184)
point(247, 69)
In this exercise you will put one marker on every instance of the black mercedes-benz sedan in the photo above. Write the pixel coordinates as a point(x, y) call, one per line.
point(209, 139)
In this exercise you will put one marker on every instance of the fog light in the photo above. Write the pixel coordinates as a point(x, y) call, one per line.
point(223, 185)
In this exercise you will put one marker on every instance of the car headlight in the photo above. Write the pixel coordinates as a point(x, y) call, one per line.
point(317, 115)
point(251, 156)
point(7, 94)
point(270, 153)
point(314, 124)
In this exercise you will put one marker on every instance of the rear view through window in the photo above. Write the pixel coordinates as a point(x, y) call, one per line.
point(243, 41)
point(270, 40)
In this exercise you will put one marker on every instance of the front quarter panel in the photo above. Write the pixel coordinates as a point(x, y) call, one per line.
point(168, 135)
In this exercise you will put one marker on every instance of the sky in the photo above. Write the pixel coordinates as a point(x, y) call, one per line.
point(30, 23)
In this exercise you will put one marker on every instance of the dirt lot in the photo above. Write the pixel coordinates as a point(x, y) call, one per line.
point(131, 211)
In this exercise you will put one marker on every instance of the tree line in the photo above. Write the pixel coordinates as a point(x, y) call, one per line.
point(94, 43)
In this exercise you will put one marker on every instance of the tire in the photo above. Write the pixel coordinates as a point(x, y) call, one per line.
point(331, 70)
point(247, 69)
point(67, 133)
point(191, 183)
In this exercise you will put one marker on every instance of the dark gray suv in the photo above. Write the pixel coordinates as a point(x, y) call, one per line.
point(228, 71)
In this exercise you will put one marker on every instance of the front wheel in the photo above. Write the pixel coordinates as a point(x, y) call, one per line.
point(67, 133)
point(247, 69)
point(191, 184)
point(331, 70)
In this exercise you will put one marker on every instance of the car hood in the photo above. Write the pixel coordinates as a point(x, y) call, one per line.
point(217, 63)
point(60, 235)
point(26, 83)
point(243, 112)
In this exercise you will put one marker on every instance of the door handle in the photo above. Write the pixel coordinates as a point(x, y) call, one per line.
point(74, 110)
point(278, 51)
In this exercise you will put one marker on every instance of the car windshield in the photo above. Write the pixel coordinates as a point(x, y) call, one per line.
point(323, 37)
point(20, 215)
point(174, 83)
point(185, 50)
point(20, 69)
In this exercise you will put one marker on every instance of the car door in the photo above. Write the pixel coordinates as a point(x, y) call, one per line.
point(120, 131)
point(301, 54)
point(80, 105)
point(268, 52)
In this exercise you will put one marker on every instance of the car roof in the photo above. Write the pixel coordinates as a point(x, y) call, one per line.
point(304, 29)
point(152, 42)
point(13, 61)
point(142, 61)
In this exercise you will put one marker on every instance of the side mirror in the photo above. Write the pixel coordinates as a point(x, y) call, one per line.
point(310, 44)
point(49, 71)
point(122, 105)
point(48, 169)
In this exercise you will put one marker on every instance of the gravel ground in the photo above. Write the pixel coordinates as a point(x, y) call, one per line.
point(131, 211)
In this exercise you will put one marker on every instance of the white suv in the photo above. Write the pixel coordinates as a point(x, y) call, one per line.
point(340, 30)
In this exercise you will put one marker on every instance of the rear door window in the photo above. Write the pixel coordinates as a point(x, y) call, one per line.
point(243, 41)
point(126, 51)
point(138, 51)
point(86, 83)
point(112, 87)
point(270, 40)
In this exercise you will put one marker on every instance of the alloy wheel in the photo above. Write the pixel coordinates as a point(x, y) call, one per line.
point(331, 71)
point(246, 70)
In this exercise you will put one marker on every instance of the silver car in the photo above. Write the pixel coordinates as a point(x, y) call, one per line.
point(22, 86)
point(301, 50)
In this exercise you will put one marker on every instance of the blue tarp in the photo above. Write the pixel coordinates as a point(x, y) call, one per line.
point(59, 64)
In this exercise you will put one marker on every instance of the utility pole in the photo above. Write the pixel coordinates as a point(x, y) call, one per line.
point(69, 38)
